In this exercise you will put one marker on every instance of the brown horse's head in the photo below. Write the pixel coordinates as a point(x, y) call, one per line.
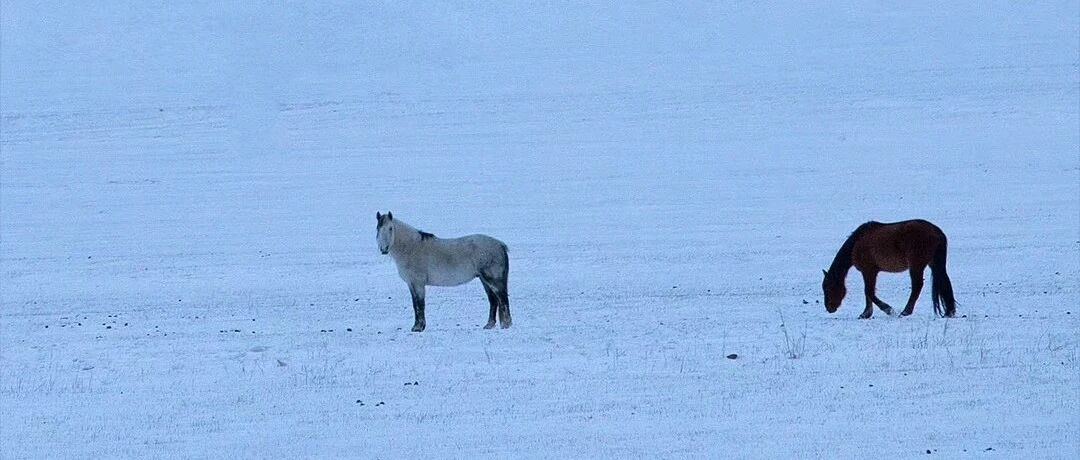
point(834, 289)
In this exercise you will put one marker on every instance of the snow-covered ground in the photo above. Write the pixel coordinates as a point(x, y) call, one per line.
point(188, 264)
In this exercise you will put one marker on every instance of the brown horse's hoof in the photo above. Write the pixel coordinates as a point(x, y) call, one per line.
point(490, 325)
point(906, 313)
point(865, 316)
point(418, 328)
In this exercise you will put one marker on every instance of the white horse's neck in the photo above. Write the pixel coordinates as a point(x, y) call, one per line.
point(405, 238)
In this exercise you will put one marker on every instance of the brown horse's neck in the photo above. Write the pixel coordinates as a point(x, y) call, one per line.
point(842, 262)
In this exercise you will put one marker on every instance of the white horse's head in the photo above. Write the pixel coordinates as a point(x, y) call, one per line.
point(384, 231)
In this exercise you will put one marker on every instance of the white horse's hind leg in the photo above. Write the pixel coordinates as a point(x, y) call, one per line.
point(504, 308)
point(500, 304)
point(493, 299)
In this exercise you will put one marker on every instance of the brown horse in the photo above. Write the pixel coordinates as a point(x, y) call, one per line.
point(875, 247)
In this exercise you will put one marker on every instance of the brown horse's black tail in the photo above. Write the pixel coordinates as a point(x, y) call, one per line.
point(942, 290)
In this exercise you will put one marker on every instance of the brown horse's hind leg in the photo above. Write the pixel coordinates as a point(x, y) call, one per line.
point(869, 281)
point(916, 288)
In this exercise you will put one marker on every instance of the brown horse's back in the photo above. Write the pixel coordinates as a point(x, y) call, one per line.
point(896, 247)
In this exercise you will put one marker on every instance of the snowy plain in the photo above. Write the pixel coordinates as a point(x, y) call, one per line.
point(188, 265)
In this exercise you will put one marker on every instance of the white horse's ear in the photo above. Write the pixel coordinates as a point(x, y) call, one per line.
point(390, 215)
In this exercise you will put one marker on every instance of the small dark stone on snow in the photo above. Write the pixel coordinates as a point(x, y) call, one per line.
point(322, 330)
point(804, 302)
point(108, 327)
point(871, 385)
point(348, 329)
point(46, 326)
point(733, 356)
point(927, 451)
point(988, 449)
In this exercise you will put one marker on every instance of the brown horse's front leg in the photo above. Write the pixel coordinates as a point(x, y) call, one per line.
point(916, 288)
point(883, 306)
point(869, 281)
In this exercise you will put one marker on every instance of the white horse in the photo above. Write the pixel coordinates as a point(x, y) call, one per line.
point(425, 260)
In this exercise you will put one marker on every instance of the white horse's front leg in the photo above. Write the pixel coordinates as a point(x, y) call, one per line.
point(417, 291)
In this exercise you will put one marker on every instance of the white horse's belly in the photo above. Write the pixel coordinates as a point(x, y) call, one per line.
point(452, 277)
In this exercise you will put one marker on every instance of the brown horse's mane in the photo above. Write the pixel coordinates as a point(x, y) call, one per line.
point(842, 262)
